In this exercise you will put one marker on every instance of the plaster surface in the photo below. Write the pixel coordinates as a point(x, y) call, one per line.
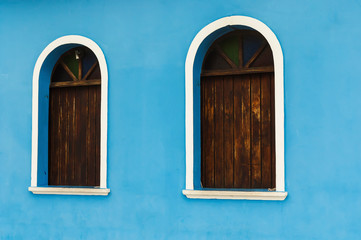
point(145, 45)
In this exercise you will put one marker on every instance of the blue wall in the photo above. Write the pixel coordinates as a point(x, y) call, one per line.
point(145, 44)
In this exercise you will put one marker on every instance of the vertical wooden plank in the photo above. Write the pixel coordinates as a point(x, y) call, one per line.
point(53, 139)
point(219, 163)
point(65, 133)
point(266, 154)
point(228, 131)
point(203, 129)
point(84, 134)
point(91, 137)
point(79, 137)
point(242, 135)
point(50, 139)
point(97, 136)
point(87, 136)
point(72, 136)
point(208, 136)
point(256, 132)
point(61, 129)
point(273, 144)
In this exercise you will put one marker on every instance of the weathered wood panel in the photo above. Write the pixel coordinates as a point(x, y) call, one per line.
point(255, 132)
point(242, 134)
point(208, 136)
point(228, 129)
point(266, 130)
point(74, 132)
point(219, 163)
point(237, 131)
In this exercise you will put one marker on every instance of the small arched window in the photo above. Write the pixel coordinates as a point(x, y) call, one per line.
point(237, 113)
point(69, 119)
point(74, 120)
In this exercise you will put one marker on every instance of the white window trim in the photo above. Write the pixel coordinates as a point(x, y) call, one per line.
point(102, 190)
point(255, 24)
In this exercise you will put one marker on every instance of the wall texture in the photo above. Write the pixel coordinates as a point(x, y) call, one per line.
point(145, 44)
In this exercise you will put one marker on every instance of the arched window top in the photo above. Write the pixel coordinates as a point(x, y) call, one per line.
point(78, 63)
point(78, 66)
point(236, 52)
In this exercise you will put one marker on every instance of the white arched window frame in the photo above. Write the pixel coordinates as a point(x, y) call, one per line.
point(56, 48)
point(190, 73)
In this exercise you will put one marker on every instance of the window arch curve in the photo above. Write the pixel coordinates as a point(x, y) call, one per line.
point(195, 56)
point(40, 116)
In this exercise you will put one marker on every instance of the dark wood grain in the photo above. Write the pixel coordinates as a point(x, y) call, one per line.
point(266, 131)
point(256, 161)
point(91, 137)
point(242, 135)
point(74, 132)
point(203, 133)
point(219, 163)
point(82, 132)
point(76, 84)
point(228, 131)
point(62, 138)
point(273, 136)
point(244, 71)
point(208, 136)
point(53, 139)
point(237, 119)
point(236, 112)
point(72, 135)
point(97, 135)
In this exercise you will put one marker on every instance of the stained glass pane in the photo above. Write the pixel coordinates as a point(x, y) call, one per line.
point(60, 75)
point(88, 61)
point(95, 74)
point(230, 46)
point(264, 59)
point(226, 50)
point(215, 62)
point(251, 43)
point(73, 64)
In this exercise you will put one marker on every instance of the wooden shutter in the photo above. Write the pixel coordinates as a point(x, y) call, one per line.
point(237, 113)
point(74, 120)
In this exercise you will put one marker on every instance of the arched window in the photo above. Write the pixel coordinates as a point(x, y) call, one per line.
point(74, 120)
point(69, 127)
point(234, 112)
point(237, 113)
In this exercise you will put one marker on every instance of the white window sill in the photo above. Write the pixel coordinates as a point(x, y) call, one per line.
point(248, 195)
point(69, 191)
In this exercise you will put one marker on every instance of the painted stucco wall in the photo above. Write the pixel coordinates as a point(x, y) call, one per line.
point(145, 44)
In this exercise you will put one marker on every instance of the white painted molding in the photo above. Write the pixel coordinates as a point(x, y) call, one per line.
point(71, 39)
point(247, 195)
point(69, 191)
point(279, 94)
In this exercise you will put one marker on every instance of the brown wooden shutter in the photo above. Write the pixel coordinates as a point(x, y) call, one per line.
point(74, 120)
point(237, 114)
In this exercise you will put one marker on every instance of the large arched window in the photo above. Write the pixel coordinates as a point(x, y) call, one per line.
point(237, 113)
point(234, 112)
point(69, 127)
